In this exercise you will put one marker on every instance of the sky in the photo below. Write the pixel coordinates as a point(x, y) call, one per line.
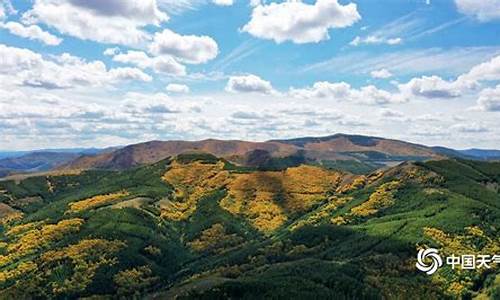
point(93, 73)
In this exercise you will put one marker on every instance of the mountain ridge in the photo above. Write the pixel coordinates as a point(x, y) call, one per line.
point(333, 147)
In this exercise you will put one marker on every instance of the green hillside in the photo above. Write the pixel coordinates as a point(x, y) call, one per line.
point(196, 226)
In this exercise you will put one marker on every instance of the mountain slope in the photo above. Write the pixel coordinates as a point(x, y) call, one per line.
point(37, 161)
point(196, 226)
point(332, 148)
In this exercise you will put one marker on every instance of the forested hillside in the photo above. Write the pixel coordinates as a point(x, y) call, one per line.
point(196, 226)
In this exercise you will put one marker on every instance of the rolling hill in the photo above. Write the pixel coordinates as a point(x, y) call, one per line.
point(368, 152)
point(196, 226)
point(23, 162)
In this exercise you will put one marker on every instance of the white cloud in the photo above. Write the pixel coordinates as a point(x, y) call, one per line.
point(6, 8)
point(392, 114)
point(111, 51)
point(143, 11)
point(408, 62)
point(372, 39)
point(177, 88)
point(129, 74)
point(344, 92)
point(489, 99)
point(249, 84)
point(323, 89)
point(471, 127)
point(300, 22)
point(436, 87)
point(27, 68)
point(483, 10)
point(431, 87)
point(178, 7)
point(223, 2)
point(187, 48)
point(32, 32)
point(160, 64)
point(110, 22)
point(489, 70)
point(381, 74)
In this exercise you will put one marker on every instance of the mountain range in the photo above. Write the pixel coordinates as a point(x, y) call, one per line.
point(197, 226)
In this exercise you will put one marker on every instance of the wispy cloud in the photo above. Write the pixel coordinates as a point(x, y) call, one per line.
point(437, 28)
point(410, 27)
point(447, 61)
point(244, 50)
point(392, 33)
point(177, 7)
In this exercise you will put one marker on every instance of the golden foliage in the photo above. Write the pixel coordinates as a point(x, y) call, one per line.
point(191, 182)
point(96, 201)
point(215, 239)
point(36, 239)
point(86, 257)
point(324, 212)
point(382, 198)
point(266, 198)
point(18, 229)
point(134, 281)
point(9, 215)
point(473, 242)
point(19, 270)
point(152, 250)
point(339, 220)
point(358, 183)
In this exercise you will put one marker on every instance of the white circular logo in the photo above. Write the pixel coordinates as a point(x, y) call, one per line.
point(431, 267)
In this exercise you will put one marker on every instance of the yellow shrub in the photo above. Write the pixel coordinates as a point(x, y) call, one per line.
point(215, 239)
point(39, 238)
point(96, 201)
point(20, 270)
point(267, 198)
point(134, 281)
point(383, 197)
point(86, 257)
point(191, 182)
point(466, 244)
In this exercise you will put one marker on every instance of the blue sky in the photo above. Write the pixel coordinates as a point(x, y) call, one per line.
point(78, 73)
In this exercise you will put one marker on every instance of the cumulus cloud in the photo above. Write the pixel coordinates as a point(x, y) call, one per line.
point(110, 22)
point(489, 99)
point(246, 115)
point(32, 32)
point(471, 127)
point(249, 84)
point(187, 48)
point(341, 91)
point(25, 67)
point(111, 51)
point(144, 10)
point(6, 8)
point(129, 74)
point(392, 114)
point(431, 87)
point(489, 70)
point(300, 22)
point(381, 74)
point(223, 2)
point(484, 10)
point(436, 87)
point(160, 64)
point(323, 89)
point(177, 88)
